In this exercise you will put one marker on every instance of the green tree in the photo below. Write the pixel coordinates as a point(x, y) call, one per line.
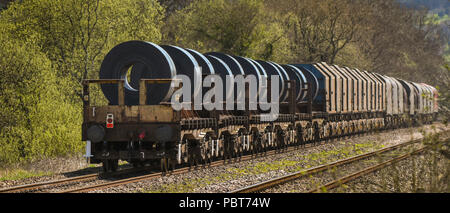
point(36, 119)
point(319, 30)
point(239, 27)
point(77, 34)
point(47, 47)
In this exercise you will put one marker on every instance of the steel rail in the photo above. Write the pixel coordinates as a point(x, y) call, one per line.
point(159, 174)
point(280, 180)
point(32, 186)
point(29, 187)
point(177, 171)
point(353, 176)
point(82, 178)
point(187, 169)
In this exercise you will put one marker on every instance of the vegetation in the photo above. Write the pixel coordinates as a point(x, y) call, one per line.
point(35, 119)
point(243, 27)
point(48, 46)
point(425, 172)
point(20, 174)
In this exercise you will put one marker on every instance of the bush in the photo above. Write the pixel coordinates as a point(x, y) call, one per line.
point(36, 118)
point(47, 47)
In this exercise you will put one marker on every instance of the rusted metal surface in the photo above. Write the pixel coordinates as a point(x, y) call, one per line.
point(341, 87)
point(133, 114)
point(382, 91)
point(400, 95)
point(330, 85)
point(143, 87)
point(130, 121)
point(357, 92)
point(347, 89)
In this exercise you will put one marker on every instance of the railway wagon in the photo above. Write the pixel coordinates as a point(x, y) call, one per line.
point(316, 102)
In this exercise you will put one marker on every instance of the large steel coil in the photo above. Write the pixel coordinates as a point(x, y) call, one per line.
point(298, 77)
point(284, 94)
point(153, 62)
point(185, 64)
point(271, 69)
point(135, 60)
point(223, 71)
point(311, 79)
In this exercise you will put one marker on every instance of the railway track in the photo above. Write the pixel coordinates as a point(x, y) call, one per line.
point(174, 172)
point(186, 169)
point(338, 182)
point(90, 177)
point(44, 186)
point(222, 162)
point(259, 187)
point(37, 186)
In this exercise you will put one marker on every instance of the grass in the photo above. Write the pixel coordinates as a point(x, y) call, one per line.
point(307, 161)
point(427, 172)
point(20, 174)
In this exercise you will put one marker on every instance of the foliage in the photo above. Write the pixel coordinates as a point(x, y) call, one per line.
point(319, 30)
point(239, 27)
point(379, 36)
point(444, 94)
point(46, 48)
point(36, 119)
point(76, 34)
point(20, 174)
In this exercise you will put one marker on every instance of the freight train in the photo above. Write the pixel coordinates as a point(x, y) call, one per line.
point(316, 102)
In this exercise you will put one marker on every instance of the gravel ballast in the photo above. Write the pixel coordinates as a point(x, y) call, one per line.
point(232, 176)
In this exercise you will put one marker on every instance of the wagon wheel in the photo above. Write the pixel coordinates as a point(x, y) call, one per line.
point(240, 142)
point(291, 135)
point(361, 127)
point(256, 142)
point(299, 131)
point(332, 130)
point(228, 146)
point(164, 167)
point(280, 138)
point(277, 139)
point(346, 128)
point(316, 132)
point(339, 129)
point(114, 164)
point(194, 152)
point(206, 149)
point(110, 165)
point(106, 165)
point(353, 128)
point(349, 128)
point(306, 133)
point(324, 131)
